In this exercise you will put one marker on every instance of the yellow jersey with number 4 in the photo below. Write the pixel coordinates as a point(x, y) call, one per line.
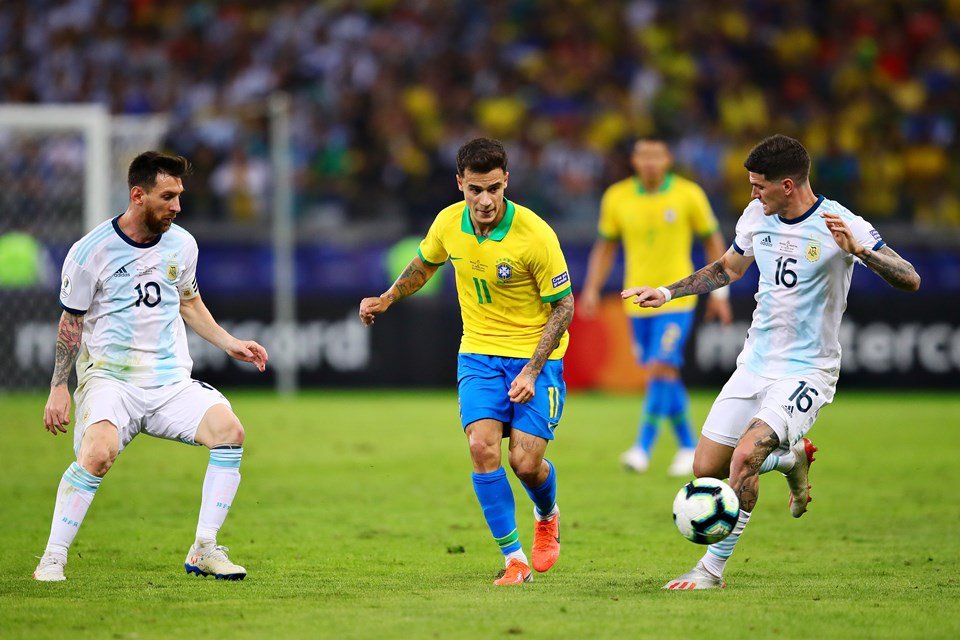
point(505, 281)
point(656, 230)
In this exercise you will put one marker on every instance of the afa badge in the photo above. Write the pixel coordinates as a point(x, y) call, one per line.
point(173, 270)
point(813, 250)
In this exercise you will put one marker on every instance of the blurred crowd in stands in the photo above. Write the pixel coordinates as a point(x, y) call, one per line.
point(384, 91)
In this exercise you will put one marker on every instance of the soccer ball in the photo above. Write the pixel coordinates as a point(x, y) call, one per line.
point(706, 510)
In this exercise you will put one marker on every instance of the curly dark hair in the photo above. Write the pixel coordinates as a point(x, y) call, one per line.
point(481, 155)
point(779, 157)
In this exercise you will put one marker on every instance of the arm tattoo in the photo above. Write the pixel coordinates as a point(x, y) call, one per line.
point(888, 264)
point(68, 347)
point(560, 316)
point(713, 276)
point(409, 282)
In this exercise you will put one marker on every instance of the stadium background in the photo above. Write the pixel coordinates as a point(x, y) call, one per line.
point(356, 517)
point(381, 95)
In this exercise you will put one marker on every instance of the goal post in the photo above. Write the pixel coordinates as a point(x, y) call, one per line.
point(63, 170)
point(92, 122)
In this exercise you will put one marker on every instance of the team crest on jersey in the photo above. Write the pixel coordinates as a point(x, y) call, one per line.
point(670, 215)
point(173, 270)
point(66, 287)
point(813, 250)
point(504, 271)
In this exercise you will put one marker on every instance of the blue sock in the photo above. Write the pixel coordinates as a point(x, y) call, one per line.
point(653, 410)
point(496, 499)
point(677, 411)
point(545, 496)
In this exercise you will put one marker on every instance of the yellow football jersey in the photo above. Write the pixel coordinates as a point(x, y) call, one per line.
point(656, 230)
point(505, 282)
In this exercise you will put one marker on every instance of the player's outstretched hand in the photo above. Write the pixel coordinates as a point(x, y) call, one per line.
point(523, 387)
point(841, 233)
point(249, 351)
point(588, 303)
point(718, 309)
point(56, 414)
point(370, 307)
point(645, 296)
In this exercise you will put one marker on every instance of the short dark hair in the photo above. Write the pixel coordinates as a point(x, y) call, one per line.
point(779, 157)
point(148, 165)
point(481, 155)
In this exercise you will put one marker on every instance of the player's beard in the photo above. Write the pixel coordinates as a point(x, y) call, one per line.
point(158, 222)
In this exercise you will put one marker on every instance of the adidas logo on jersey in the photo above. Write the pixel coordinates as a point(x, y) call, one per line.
point(121, 273)
point(788, 408)
point(766, 242)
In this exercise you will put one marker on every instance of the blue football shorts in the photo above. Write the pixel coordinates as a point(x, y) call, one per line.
point(662, 338)
point(483, 383)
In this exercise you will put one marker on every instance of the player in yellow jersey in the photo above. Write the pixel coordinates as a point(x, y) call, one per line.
point(516, 303)
point(655, 215)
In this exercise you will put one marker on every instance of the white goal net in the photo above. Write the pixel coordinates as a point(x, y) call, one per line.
point(63, 170)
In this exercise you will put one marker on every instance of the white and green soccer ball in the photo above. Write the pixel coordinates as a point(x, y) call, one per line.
point(706, 510)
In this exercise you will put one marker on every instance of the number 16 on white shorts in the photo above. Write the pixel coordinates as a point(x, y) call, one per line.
point(789, 405)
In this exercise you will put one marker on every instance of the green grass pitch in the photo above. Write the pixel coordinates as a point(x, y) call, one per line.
point(356, 519)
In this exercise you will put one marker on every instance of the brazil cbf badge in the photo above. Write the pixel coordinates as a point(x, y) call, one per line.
point(504, 271)
point(813, 250)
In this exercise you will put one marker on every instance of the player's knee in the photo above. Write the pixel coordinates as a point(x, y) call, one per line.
point(708, 469)
point(97, 459)
point(229, 431)
point(484, 454)
point(525, 467)
point(742, 462)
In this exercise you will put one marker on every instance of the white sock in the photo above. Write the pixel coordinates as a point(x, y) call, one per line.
point(219, 488)
point(550, 516)
point(516, 555)
point(715, 559)
point(781, 462)
point(74, 496)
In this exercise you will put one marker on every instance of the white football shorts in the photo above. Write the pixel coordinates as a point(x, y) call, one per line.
point(171, 412)
point(789, 405)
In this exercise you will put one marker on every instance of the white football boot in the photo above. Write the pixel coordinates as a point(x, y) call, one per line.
point(682, 465)
point(696, 578)
point(213, 561)
point(798, 478)
point(50, 569)
point(634, 459)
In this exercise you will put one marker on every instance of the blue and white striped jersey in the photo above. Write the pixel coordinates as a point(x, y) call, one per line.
point(802, 294)
point(129, 294)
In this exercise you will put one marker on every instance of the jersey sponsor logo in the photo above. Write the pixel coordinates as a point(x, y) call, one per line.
point(504, 272)
point(766, 242)
point(561, 279)
point(66, 288)
point(121, 273)
point(456, 258)
point(788, 247)
point(813, 250)
point(788, 408)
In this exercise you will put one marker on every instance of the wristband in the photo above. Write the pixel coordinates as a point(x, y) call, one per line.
point(721, 294)
point(666, 294)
